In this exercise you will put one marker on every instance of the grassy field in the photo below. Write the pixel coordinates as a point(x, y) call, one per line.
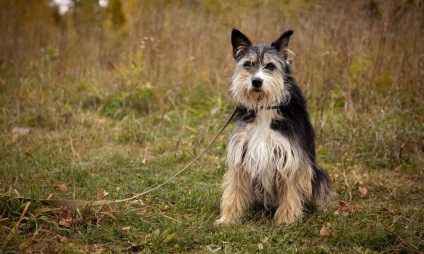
point(103, 103)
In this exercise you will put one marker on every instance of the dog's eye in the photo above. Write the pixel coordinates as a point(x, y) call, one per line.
point(270, 66)
point(248, 64)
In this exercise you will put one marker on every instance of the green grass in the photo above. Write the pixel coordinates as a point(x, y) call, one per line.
point(126, 118)
point(91, 151)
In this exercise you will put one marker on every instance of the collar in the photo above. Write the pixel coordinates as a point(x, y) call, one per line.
point(266, 108)
point(271, 107)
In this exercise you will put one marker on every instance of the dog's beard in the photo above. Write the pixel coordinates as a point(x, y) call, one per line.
point(271, 94)
point(256, 99)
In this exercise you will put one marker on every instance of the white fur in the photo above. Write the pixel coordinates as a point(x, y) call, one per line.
point(267, 152)
point(273, 87)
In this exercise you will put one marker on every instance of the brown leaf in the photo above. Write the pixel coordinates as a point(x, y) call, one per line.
point(362, 191)
point(325, 230)
point(26, 243)
point(143, 212)
point(63, 187)
point(342, 206)
point(110, 215)
point(166, 208)
point(66, 222)
point(101, 194)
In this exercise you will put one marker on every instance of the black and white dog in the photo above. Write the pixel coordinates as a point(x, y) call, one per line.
point(271, 152)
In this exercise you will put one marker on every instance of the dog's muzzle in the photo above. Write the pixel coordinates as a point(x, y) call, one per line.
point(257, 84)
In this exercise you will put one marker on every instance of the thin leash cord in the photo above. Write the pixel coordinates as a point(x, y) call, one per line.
point(62, 202)
point(187, 166)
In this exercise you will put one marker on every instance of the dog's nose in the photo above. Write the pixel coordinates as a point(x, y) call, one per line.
point(257, 82)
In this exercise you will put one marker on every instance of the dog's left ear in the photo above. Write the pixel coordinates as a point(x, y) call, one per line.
point(239, 42)
point(282, 43)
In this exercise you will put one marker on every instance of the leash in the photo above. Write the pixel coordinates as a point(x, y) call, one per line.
point(73, 203)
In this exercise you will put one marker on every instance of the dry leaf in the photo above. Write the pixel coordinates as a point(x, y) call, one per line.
point(325, 230)
point(342, 206)
point(21, 131)
point(63, 187)
point(101, 194)
point(143, 212)
point(66, 222)
point(362, 191)
point(166, 208)
point(26, 243)
point(110, 215)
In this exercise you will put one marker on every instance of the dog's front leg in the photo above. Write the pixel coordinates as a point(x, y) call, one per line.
point(291, 193)
point(237, 195)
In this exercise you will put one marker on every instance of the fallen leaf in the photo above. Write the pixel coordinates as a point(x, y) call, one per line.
point(66, 222)
point(264, 240)
point(127, 228)
point(260, 246)
point(325, 230)
point(63, 239)
point(101, 194)
point(110, 215)
point(143, 212)
point(21, 131)
point(63, 187)
point(166, 208)
point(26, 243)
point(342, 206)
point(362, 191)
point(214, 248)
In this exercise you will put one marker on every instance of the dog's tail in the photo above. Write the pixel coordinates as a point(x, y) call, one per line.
point(321, 187)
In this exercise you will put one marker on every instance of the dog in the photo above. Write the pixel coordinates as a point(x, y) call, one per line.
point(271, 151)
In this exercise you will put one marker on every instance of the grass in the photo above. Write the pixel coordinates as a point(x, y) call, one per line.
point(111, 123)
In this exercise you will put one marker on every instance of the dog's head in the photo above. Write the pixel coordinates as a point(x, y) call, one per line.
point(260, 70)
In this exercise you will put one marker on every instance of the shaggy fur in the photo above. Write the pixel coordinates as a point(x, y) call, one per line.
point(271, 152)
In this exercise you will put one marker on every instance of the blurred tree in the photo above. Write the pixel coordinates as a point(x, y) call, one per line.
point(22, 21)
point(116, 13)
point(88, 15)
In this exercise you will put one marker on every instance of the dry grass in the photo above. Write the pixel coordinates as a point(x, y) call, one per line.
point(118, 108)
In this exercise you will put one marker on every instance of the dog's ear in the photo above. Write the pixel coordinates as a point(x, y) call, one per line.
point(282, 43)
point(239, 42)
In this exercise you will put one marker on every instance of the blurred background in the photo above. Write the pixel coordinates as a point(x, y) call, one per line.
point(360, 62)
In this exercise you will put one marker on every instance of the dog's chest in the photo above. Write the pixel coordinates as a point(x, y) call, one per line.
point(259, 149)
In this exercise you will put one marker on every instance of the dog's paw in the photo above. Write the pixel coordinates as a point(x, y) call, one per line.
point(285, 217)
point(225, 221)
point(218, 222)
